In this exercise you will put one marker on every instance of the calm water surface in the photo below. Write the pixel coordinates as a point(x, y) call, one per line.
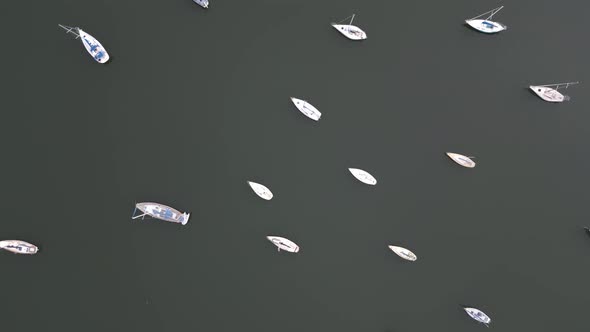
point(196, 102)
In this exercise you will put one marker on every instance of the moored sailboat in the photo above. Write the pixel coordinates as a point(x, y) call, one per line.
point(350, 31)
point(19, 247)
point(283, 243)
point(486, 25)
point(478, 315)
point(404, 253)
point(93, 46)
point(461, 159)
point(260, 190)
point(202, 3)
point(160, 211)
point(548, 92)
point(307, 109)
point(363, 176)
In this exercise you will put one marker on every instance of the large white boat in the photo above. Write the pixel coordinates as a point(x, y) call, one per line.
point(478, 315)
point(549, 92)
point(363, 176)
point(19, 247)
point(404, 253)
point(486, 25)
point(284, 244)
point(202, 3)
point(160, 211)
point(260, 190)
point(306, 108)
point(350, 31)
point(461, 159)
point(93, 46)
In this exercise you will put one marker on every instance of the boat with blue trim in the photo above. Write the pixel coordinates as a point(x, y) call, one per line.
point(160, 211)
point(478, 315)
point(19, 247)
point(93, 46)
point(486, 25)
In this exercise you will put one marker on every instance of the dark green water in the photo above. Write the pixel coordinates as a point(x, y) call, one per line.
point(196, 102)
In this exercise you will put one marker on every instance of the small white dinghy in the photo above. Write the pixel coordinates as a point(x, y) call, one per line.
point(350, 31)
point(486, 25)
point(461, 159)
point(284, 244)
point(363, 176)
point(549, 92)
point(306, 108)
point(404, 253)
point(202, 3)
point(260, 190)
point(478, 315)
point(160, 211)
point(19, 247)
point(93, 46)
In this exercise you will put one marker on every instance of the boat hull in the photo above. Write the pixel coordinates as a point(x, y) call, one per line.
point(163, 212)
point(19, 247)
point(486, 26)
point(202, 3)
point(307, 109)
point(260, 190)
point(478, 315)
point(283, 244)
point(94, 47)
point(363, 176)
point(548, 94)
point(461, 159)
point(350, 31)
point(404, 253)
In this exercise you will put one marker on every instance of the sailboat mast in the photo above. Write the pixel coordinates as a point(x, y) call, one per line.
point(352, 19)
point(494, 11)
point(69, 30)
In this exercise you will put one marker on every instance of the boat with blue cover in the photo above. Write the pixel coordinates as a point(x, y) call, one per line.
point(486, 25)
point(93, 46)
point(160, 211)
point(19, 247)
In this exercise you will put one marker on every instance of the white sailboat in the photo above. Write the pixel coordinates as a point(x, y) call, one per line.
point(363, 176)
point(202, 3)
point(307, 109)
point(486, 25)
point(549, 92)
point(93, 46)
point(461, 159)
point(350, 31)
point(260, 190)
point(403, 253)
point(284, 244)
point(160, 211)
point(19, 247)
point(478, 315)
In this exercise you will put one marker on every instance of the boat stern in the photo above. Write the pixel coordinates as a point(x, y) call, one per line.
point(184, 218)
